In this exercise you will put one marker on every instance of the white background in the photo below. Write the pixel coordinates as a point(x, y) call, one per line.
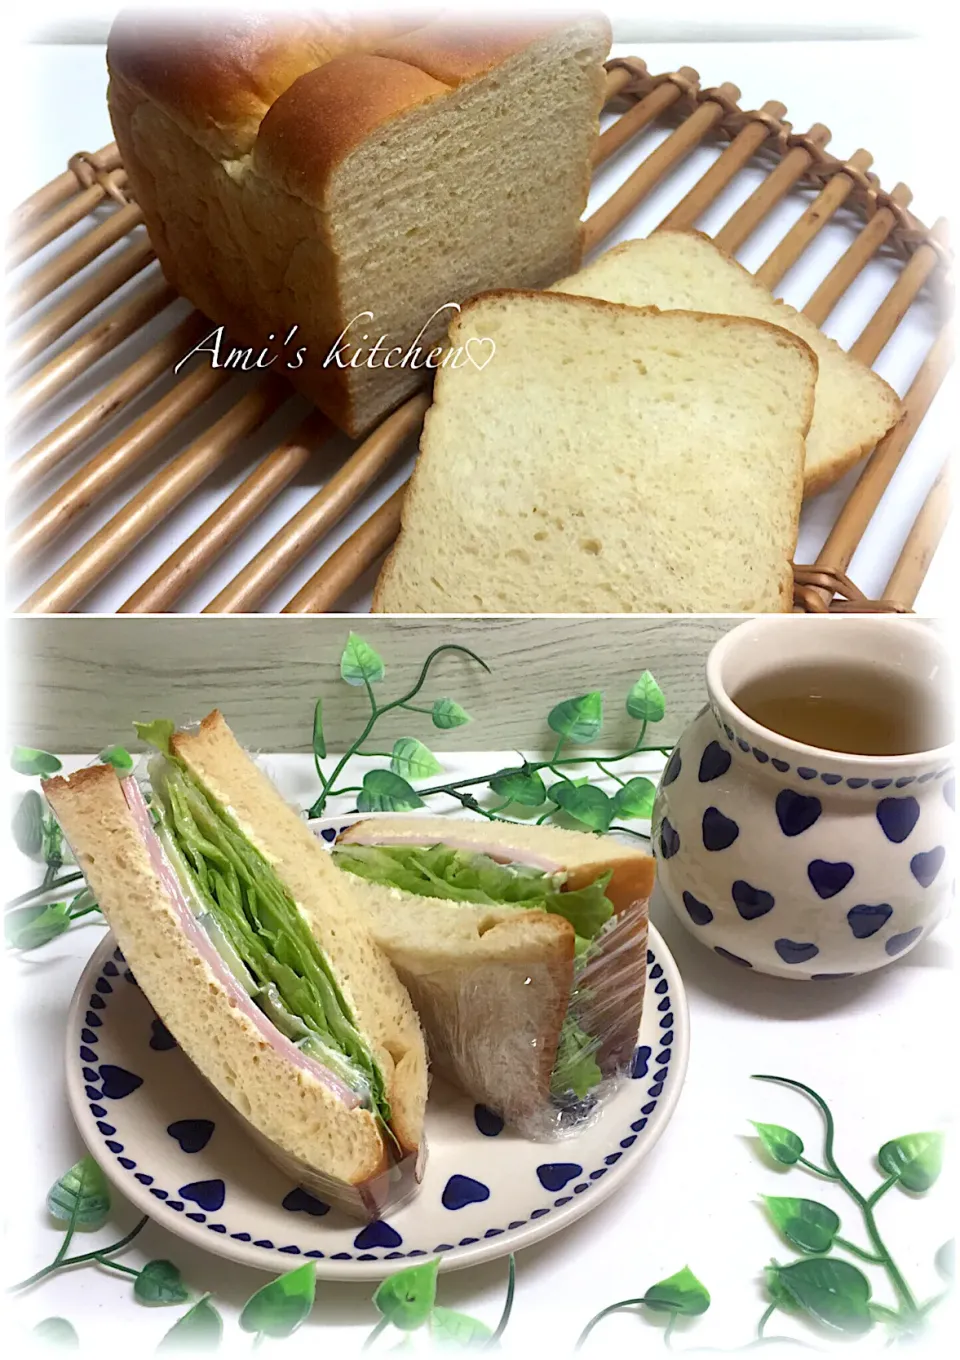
point(879, 1049)
point(887, 94)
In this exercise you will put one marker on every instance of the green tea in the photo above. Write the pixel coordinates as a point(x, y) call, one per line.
point(850, 708)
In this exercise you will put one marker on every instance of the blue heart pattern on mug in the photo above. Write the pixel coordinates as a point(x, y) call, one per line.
point(796, 812)
point(897, 817)
point(926, 865)
point(670, 770)
point(669, 839)
point(699, 913)
point(719, 832)
point(793, 951)
point(866, 920)
point(749, 901)
point(714, 762)
point(829, 878)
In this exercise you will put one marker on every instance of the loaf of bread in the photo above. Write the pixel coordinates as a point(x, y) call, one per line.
point(606, 459)
point(356, 181)
point(854, 406)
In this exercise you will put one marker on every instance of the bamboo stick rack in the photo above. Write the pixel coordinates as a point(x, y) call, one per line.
point(185, 431)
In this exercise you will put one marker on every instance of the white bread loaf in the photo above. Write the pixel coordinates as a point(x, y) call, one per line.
point(305, 171)
point(854, 407)
point(606, 459)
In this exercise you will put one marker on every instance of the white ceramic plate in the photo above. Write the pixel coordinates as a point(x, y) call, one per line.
point(172, 1147)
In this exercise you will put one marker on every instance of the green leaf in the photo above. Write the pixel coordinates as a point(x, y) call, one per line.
point(156, 734)
point(27, 760)
point(200, 1329)
point(81, 1194)
point(319, 741)
point(521, 785)
point(781, 1144)
point(413, 759)
point(578, 720)
point(57, 1331)
point(645, 702)
point(31, 927)
point(916, 1159)
point(360, 664)
point(681, 1293)
point(280, 1306)
point(447, 713)
point(778, 1292)
point(52, 842)
point(945, 1260)
point(457, 1330)
point(407, 1298)
point(635, 798)
point(160, 1282)
point(806, 1223)
point(384, 791)
point(28, 824)
point(832, 1291)
point(585, 803)
point(119, 757)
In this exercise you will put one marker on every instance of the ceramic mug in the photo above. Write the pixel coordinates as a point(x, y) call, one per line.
point(796, 861)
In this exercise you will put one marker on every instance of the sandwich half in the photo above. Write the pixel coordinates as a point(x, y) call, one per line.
point(523, 948)
point(246, 942)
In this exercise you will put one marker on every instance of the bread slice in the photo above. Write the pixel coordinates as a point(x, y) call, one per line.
point(606, 459)
point(684, 269)
point(369, 985)
point(315, 184)
point(492, 984)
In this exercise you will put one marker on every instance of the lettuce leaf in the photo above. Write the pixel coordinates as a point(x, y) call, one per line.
point(466, 876)
point(575, 1068)
point(287, 972)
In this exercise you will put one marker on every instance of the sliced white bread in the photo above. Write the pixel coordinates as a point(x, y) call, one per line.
point(606, 459)
point(684, 269)
point(370, 987)
point(303, 1125)
point(492, 984)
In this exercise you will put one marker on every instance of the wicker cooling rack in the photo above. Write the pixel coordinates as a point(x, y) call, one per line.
point(187, 430)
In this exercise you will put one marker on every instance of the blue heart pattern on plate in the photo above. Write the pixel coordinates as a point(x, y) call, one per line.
point(554, 1176)
point(193, 1135)
point(208, 1194)
point(460, 1191)
point(300, 1202)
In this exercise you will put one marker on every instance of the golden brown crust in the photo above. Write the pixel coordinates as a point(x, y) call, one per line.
point(453, 50)
point(329, 112)
point(222, 72)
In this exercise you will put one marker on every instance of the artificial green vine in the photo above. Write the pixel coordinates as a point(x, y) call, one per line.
point(406, 1301)
point(578, 721)
point(824, 1289)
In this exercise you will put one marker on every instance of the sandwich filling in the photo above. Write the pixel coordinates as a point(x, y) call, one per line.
point(258, 933)
point(465, 876)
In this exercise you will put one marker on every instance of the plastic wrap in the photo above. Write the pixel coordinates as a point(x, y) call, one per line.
point(502, 1004)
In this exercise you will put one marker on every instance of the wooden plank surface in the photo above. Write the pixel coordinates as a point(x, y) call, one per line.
point(77, 683)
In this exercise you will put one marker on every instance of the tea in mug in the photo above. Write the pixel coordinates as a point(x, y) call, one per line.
point(855, 709)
